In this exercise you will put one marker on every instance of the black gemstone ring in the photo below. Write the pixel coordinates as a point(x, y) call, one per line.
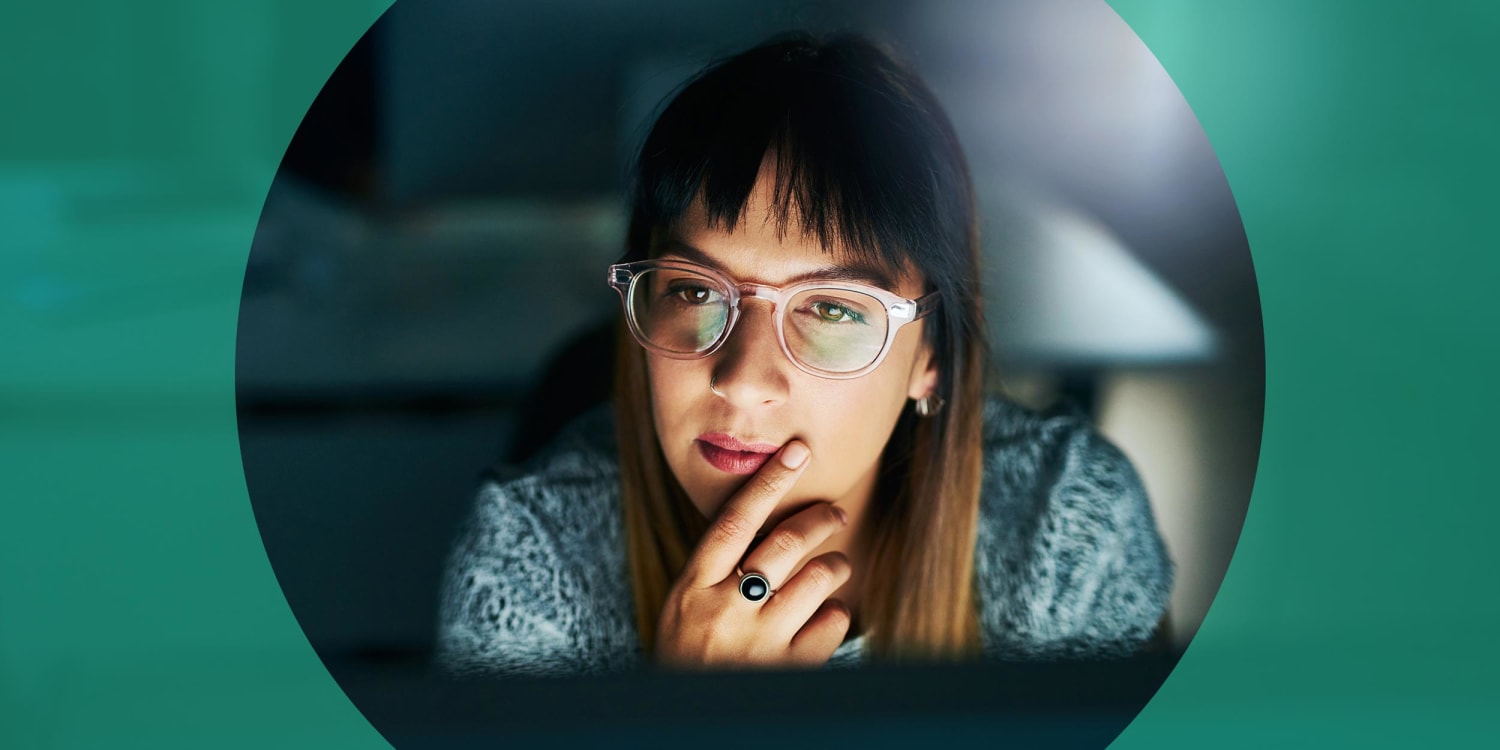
point(754, 587)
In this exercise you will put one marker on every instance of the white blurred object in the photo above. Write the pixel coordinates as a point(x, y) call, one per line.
point(1062, 290)
point(1193, 434)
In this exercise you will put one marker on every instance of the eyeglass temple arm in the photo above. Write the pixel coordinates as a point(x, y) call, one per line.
point(924, 305)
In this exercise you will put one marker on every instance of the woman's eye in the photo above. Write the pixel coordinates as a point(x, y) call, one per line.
point(829, 312)
point(695, 295)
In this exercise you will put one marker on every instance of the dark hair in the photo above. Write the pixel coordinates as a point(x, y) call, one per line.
point(863, 159)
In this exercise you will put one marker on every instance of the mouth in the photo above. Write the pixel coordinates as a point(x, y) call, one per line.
point(732, 456)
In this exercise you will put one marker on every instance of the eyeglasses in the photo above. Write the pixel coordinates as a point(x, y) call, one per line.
point(683, 310)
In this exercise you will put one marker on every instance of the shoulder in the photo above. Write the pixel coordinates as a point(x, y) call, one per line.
point(1069, 557)
point(536, 580)
point(1054, 461)
point(566, 499)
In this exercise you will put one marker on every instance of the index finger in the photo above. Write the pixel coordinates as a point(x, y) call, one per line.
point(729, 535)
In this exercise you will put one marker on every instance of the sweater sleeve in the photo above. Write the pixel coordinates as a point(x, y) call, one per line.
point(1086, 571)
point(503, 607)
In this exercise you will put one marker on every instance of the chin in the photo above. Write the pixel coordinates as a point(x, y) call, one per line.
point(708, 494)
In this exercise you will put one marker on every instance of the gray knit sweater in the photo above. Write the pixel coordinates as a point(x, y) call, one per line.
point(1068, 561)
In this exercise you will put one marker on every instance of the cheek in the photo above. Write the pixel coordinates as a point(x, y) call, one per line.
point(673, 393)
point(849, 423)
point(679, 393)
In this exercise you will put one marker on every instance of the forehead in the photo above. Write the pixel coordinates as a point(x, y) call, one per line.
point(761, 250)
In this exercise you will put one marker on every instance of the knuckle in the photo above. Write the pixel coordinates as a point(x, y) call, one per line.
point(687, 579)
point(819, 573)
point(678, 610)
point(769, 483)
point(732, 525)
point(837, 616)
point(831, 514)
point(788, 541)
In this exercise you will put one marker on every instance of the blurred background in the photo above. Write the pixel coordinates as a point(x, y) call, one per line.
point(137, 602)
point(428, 269)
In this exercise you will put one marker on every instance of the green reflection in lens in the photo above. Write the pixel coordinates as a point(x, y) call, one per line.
point(680, 311)
point(835, 330)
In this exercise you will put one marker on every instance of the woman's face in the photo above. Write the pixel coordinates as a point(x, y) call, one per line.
point(763, 398)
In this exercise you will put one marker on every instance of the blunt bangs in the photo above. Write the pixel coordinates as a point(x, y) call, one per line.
point(860, 155)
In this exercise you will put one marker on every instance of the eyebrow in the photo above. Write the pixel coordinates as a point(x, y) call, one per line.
point(863, 273)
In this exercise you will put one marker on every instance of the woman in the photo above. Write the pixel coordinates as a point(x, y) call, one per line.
point(804, 469)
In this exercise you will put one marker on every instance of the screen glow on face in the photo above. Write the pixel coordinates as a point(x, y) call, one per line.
point(766, 336)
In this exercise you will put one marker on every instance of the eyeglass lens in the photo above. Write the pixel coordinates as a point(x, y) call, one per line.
point(834, 330)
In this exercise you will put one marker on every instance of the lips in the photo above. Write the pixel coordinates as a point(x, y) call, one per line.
point(733, 456)
point(728, 443)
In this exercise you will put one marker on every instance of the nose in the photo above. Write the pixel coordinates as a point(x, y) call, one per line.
point(750, 369)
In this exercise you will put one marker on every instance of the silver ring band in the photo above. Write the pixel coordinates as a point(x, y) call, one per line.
point(711, 387)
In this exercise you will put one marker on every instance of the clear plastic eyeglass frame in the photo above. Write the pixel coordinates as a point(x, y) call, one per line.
point(899, 310)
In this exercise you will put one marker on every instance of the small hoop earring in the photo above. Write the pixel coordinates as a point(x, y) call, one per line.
point(929, 405)
point(711, 387)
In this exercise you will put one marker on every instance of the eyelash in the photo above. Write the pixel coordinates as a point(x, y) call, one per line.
point(849, 315)
point(680, 292)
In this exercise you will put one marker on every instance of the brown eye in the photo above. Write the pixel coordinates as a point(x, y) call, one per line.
point(694, 295)
point(829, 312)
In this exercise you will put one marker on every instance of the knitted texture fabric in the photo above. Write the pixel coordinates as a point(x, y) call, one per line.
point(1068, 561)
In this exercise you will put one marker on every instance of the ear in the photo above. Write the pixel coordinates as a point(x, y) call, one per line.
point(924, 373)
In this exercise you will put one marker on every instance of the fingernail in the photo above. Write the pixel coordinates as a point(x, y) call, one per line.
point(842, 514)
point(793, 455)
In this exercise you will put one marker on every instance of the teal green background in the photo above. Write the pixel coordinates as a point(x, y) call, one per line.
point(137, 607)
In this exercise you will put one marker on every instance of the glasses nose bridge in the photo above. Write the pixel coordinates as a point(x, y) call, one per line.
point(748, 291)
point(758, 291)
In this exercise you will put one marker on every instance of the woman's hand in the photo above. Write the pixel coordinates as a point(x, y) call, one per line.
point(707, 622)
